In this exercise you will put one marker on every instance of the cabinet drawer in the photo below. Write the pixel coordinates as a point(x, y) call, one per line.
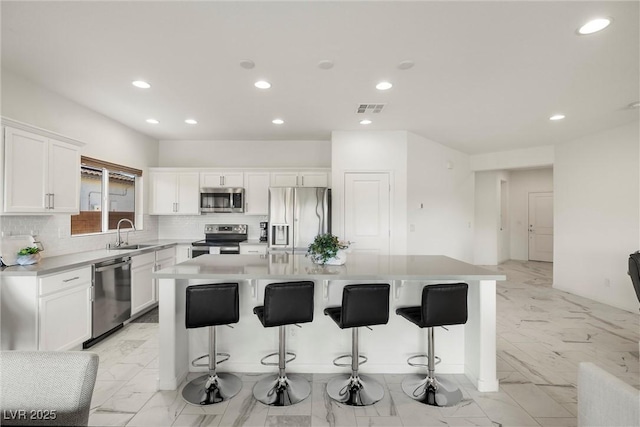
point(253, 249)
point(140, 260)
point(66, 280)
point(165, 254)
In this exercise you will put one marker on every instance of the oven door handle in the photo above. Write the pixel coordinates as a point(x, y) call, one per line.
point(229, 249)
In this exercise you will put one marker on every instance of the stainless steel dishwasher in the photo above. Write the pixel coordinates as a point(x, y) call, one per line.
point(111, 298)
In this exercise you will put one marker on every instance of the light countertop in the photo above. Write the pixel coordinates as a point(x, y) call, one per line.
point(54, 264)
point(283, 266)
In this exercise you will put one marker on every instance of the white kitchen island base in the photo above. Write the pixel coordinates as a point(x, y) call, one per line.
point(468, 349)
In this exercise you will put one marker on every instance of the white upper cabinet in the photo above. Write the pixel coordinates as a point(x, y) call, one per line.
point(314, 179)
point(221, 179)
point(42, 174)
point(64, 177)
point(175, 193)
point(284, 179)
point(256, 193)
point(300, 179)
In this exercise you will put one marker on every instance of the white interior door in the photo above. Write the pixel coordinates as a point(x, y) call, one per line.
point(541, 227)
point(366, 212)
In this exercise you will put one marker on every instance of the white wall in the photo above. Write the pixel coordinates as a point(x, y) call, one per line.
point(247, 154)
point(488, 238)
point(597, 204)
point(514, 159)
point(384, 151)
point(521, 183)
point(504, 230)
point(439, 179)
point(105, 139)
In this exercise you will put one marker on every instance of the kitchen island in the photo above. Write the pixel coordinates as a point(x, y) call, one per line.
point(468, 349)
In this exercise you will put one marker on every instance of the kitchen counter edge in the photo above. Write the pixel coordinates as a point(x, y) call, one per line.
point(56, 264)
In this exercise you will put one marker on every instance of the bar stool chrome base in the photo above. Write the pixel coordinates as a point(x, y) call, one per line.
point(282, 391)
point(360, 390)
point(431, 391)
point(209, 389)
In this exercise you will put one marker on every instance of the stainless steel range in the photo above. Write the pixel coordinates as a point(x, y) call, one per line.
point(220, 239)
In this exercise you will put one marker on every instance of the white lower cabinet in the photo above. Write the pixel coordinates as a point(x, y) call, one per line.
point(257, 249)
point(164, 258)
point(64, 310)
point(142, 284)
point(183, 253)
point(65, 319)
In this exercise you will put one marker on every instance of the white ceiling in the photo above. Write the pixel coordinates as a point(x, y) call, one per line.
point(487, 75)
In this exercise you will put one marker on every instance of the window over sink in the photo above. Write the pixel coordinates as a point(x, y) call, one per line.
point(108, 193)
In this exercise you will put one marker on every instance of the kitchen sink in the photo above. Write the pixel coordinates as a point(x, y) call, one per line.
point(132, 247)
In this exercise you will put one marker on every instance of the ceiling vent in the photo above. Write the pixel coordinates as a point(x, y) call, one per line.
point(370, 108)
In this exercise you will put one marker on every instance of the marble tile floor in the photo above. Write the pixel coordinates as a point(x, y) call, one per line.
point(542, 336)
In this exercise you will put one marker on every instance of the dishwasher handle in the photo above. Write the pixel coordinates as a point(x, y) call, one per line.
point(125, 261)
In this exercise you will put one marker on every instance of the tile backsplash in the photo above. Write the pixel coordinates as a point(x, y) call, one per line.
point(54, 231)
point(192, 226)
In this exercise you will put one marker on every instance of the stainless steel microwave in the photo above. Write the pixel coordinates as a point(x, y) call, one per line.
point(213, 199)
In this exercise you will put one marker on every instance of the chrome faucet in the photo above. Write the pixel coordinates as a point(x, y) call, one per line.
point(118, 239)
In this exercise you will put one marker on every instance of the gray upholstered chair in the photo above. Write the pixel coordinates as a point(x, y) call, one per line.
point(604, 399)
point(46, 388)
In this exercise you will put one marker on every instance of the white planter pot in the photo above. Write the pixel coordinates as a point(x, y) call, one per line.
point(28, 259)
point(339, 259)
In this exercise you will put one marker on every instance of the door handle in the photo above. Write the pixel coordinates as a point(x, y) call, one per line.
point(53, 201)
point(303, 180)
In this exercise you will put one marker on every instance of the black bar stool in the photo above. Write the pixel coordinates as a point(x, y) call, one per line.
point(284, 304)
point(442, 305)
point(362, 305)
point(211, 305)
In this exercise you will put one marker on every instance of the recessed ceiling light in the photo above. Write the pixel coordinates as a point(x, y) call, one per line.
point(634, 105)
point(191, 122)
point(262, 84)
point(365, 122)
point(383, 86)
point(247, 64)
point(325, 64)
point(153, 121)
point(557, 117)
point(141, 84)
point(405, 65)
point(277, 121)
point(594, 26)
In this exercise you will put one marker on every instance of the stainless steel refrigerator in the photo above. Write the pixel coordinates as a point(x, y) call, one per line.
point(296, 216)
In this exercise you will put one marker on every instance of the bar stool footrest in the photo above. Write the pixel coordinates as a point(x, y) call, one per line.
point(425, 365)
point(262, 361)
point(362, 360)
point(225, 356)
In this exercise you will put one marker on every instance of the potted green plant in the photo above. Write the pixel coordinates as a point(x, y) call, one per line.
point(29, 255)
point(328, 249)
